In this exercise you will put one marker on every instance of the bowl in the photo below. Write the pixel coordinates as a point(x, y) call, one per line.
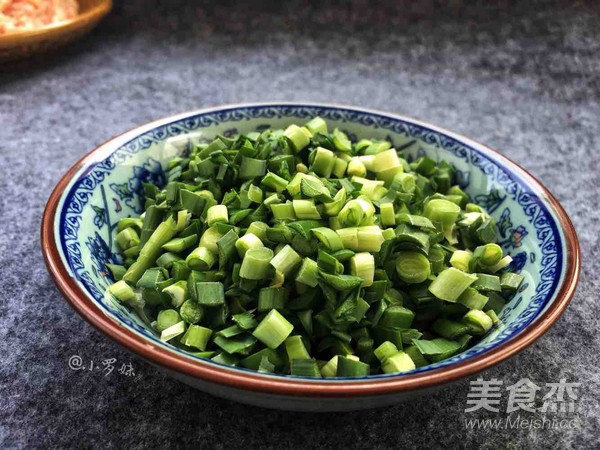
point(79, 223)
point(23, 44)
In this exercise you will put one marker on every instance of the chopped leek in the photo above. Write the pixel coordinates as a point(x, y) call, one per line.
point(300, 251)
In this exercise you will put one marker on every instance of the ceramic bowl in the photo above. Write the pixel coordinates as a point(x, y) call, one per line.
point(23, 44)
point(79, 223)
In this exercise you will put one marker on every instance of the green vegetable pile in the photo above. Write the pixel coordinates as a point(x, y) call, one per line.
point(300, 252)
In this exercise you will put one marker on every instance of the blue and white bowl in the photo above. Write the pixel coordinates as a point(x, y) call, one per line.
point(79, 225)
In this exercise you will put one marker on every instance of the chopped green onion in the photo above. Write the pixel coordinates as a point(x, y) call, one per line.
point(308, 273)
point(449, 329)
point(386, 214)
point(226, 358)
point(167, 318)
point(255, 194)
point(437, 349)
point(485, 282)
point(442, 211)
point(416, 356)
point(386, 160)
point(333, 208)
point(363, 265)
point(398, 362)
point(252, 168)
point(183, 219)
point(128, 222)
point(381, 265)
point(151, 250)
point(216, 214)
point(329, 238)
point(191, 312)
point(385, 350)
point(349, 237)
point(283, 211)
point(492, 314)
point(461, 259)
point(323, 163)
point(301, 168)
point(241, 344)
point(254, 360)
point(123, 292)
point(396, 316)
point(247, 242)
point(388, 234)
point(294, 346)
point(369, 239)
point(230, 332)
point(341, 282)
point(316, 125)
point(273, 329)
point(173, 331)
point(415, 221)
point(504, 262)
point(272, 298)
point(127, 238)
point(341, 141)
point(299, 136)
point(167, 259)
point(255, 265)
point(274, 182)
point(245, 321)
point(210, 293)
point(488, 254)
point(339, 167)
point(210, 238)
point(329, 370)
point(409, 234)
point(196, 336)
point(351, 368)
point(437, 258)
point(117, 271)
point(286, 260)
point(152, 220)
point(305, 209)
point(472, 299)
point(304, 368)
point(450, 284)
point(177, 293)
point(356, 212)
point(412, 267)
point(227, 247)
point(178, 245)
point(356, 168)
point(201, 259)
point(259, 229)
point(510, 281)
point(478, 322)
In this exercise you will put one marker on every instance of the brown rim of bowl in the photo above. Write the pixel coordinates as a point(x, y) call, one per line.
point(92, 14)
point(302, 387)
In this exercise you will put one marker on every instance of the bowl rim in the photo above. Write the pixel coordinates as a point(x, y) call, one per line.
point(247, 380)
point(95, 13)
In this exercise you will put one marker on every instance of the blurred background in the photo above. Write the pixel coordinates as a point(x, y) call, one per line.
point(521, 77)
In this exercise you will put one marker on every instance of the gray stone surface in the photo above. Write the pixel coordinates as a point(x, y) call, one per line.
point(523, 78)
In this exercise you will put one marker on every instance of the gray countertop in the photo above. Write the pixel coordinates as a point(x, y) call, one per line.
point(523, 79)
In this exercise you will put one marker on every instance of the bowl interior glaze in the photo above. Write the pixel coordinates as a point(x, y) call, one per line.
point(108, 187)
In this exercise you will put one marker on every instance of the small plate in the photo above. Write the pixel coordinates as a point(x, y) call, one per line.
point(23, 44)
